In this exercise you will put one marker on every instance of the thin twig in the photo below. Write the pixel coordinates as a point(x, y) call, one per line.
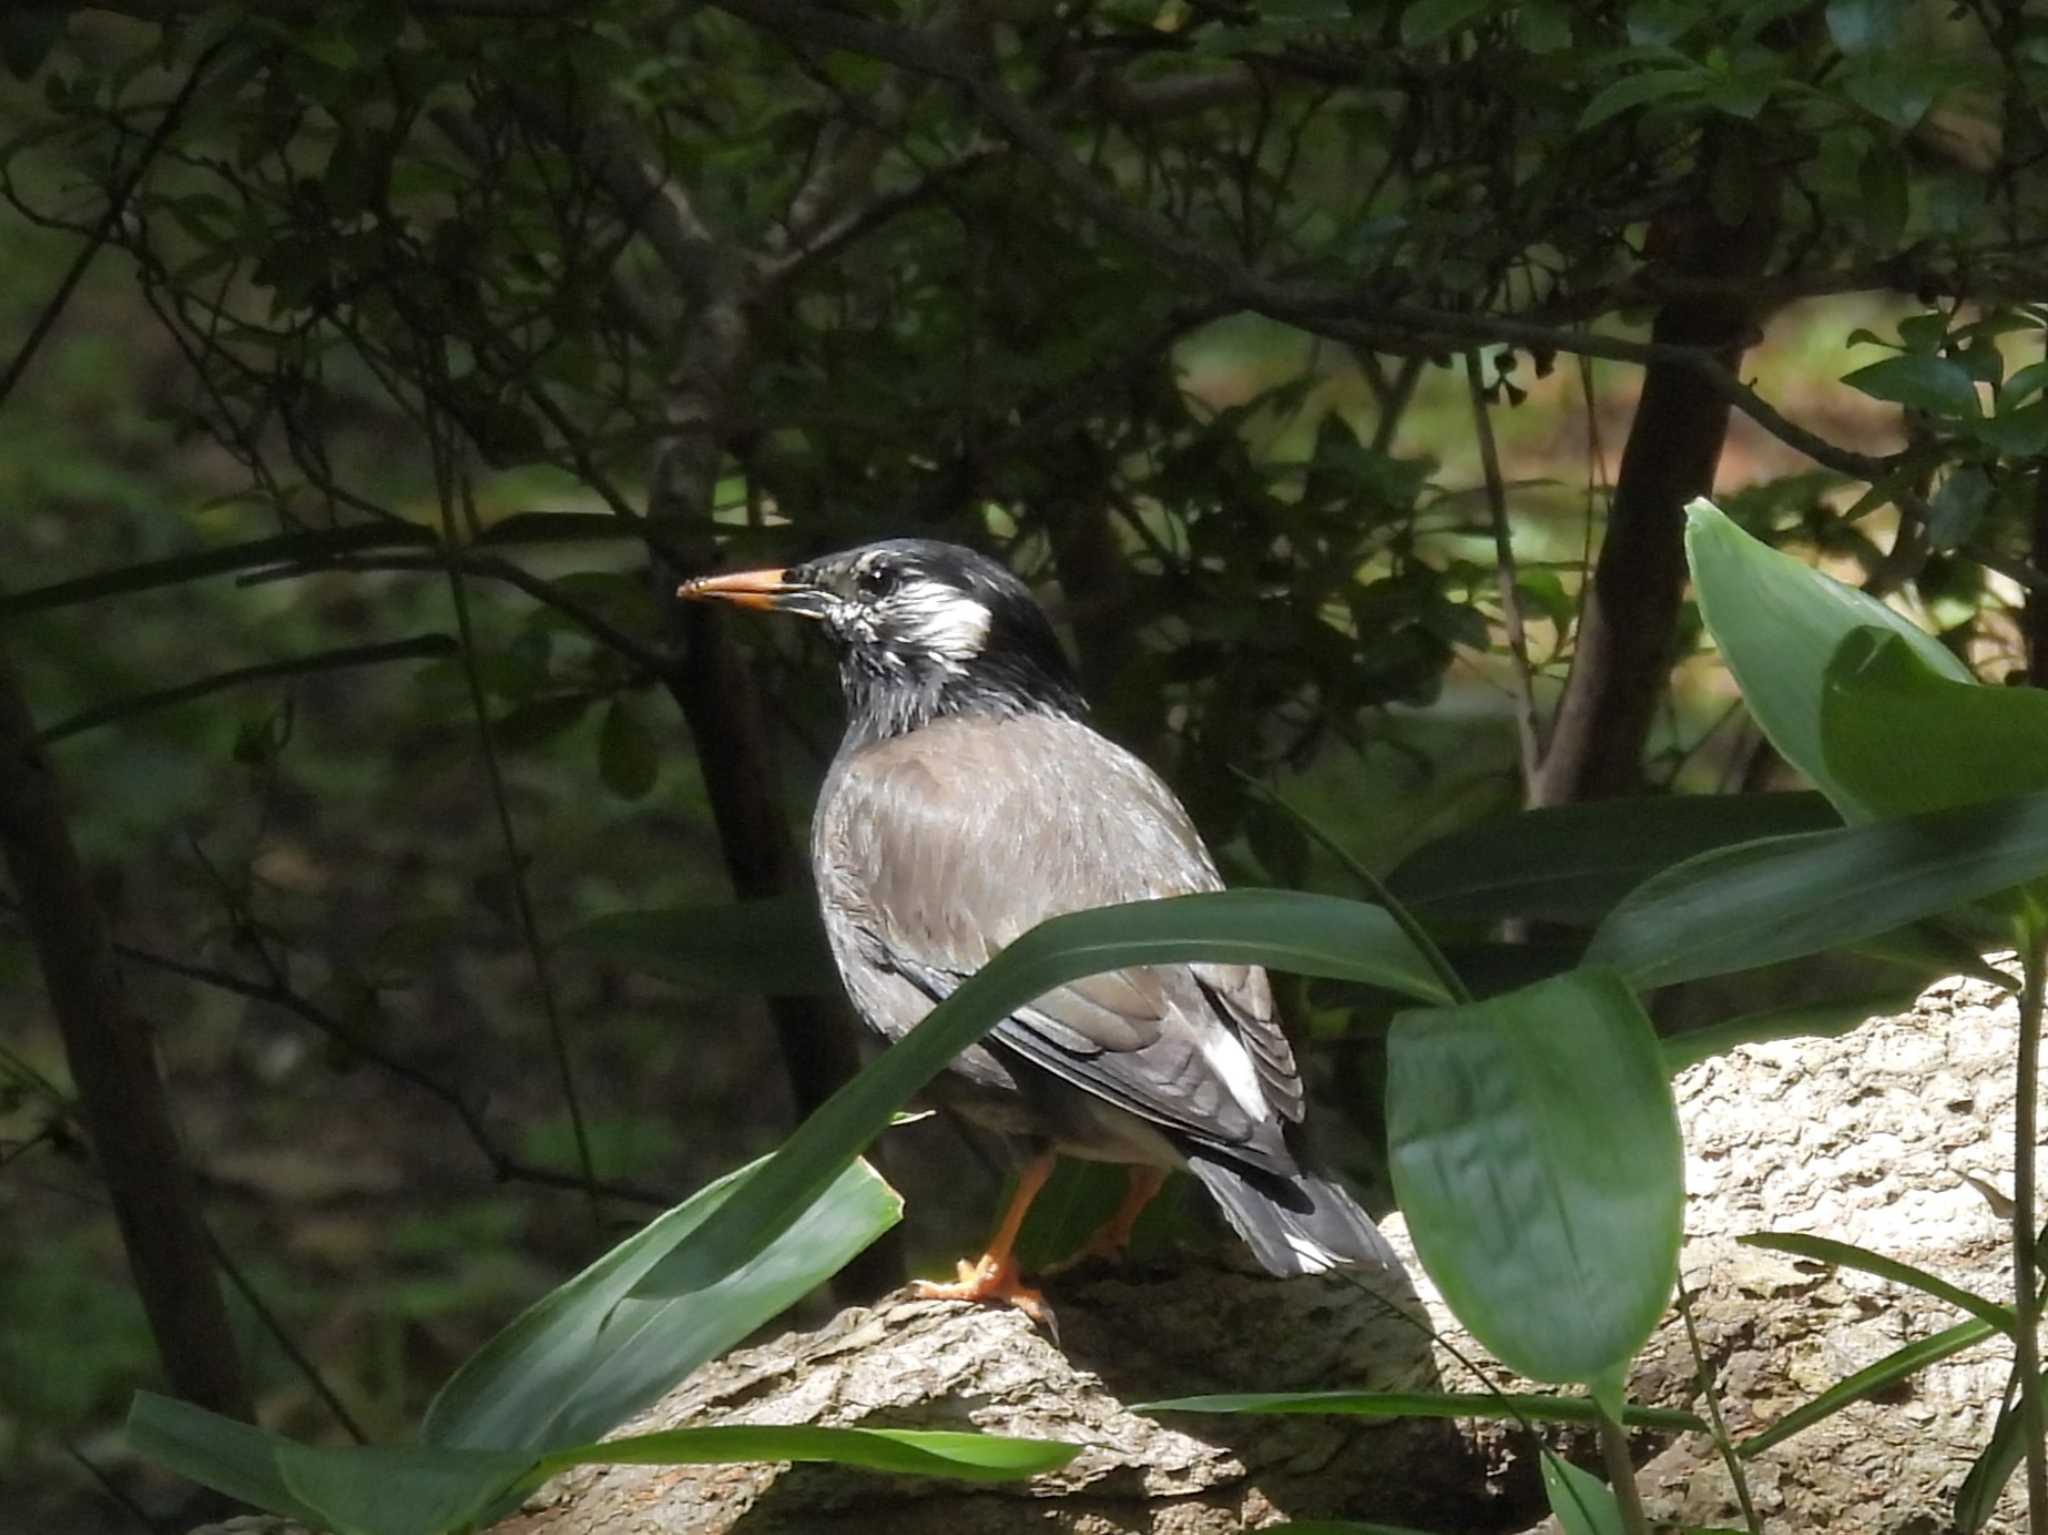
point(504, 1167)
point(282, 1337)
point(110, 220)
point(109, 1486)
point(1528, 730)
point(419, 647)
point(515, 861)
point(2026, 1305)
point(1710, 1391)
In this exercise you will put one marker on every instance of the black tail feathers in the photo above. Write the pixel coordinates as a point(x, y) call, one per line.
point(1303, 1224)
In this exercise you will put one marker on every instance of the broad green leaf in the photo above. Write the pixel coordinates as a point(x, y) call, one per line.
point(1847, 1255)
point(215, 1452)
point(1630, 91)
point(1424, 1404)
point(1307, 934)
point(1572, 863)
point(775, 946)
point(1872, 1380)
point(2021, 433)
point(1904, 737)
point(1825, 1019)
point(1778, 623)
point(1754, 905)
point(1957, 509)
point(1894, 87)
point(587, 1356)
point(904, 1451)
point(1581, 1502)
point(1535, 1151)
point(374, 1489)
point(1919, 379)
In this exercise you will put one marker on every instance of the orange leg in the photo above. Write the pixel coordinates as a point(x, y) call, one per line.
point(1114, 1234)
point(994, 1276)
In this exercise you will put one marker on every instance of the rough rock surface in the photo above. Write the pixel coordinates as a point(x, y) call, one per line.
point(1871, 1138)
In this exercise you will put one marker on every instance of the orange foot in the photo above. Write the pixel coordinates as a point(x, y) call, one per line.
point(1114, 1235)
point(990, 1279)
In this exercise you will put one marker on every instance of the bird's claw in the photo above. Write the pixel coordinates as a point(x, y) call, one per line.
point(989, 1280)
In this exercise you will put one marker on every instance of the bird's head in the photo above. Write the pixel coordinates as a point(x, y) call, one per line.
point(923, 630)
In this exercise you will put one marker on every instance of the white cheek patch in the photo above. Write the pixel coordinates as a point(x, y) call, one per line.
point(942, 620)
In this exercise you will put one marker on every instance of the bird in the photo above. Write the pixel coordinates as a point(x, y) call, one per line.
point(970, 800)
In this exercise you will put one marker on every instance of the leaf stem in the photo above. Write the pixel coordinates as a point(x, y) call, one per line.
point(1621, 1476)
point(2026, 1302)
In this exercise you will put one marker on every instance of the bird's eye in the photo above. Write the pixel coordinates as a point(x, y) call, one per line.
point(878, 578)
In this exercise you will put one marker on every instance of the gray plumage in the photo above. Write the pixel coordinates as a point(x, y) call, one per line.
point(969, 802)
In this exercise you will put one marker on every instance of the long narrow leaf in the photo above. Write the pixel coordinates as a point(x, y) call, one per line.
point(586, 1357)
point(1827, 1019)
point(180, 568)
point(1582, 1503)
point(1900, 1365)
point(1790, 896)
point(1847, 1255)
point(1312, 935)
point(1572, 863)
point(1424, 1404)
point(428, 1489)
point(1978, 1497)
point(1535, 1152)
point(905, 1451)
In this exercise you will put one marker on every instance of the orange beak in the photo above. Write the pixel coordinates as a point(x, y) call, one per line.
point(766, 589)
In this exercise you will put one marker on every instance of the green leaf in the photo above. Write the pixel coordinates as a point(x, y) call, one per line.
point(1938, 385)
point(215, 1452)
point(1885, 200)
point(1958, 508)
point(1424, 1404)
point(1572, 863)
point(540, 721)
point(1905, 737)
point(1427, 20)
point(2021, 433)
point(1631, 91)
point(1893, 86)
point(1581, 1502)
point(429, 1489)
point(1849, 1256)
point(1866, 26)
point(1872, 1380)
point(399, 1489)
point(1827, 1019)
point(1978, 1497)
point(588, 1356)
point(1535, 1151)
point(1778, 622)
point(775, 946)
point(1310, 935)
point(27, 34)
point(627, 758)
point(902, 1451)
point(2024, 383)
point(1779, 899)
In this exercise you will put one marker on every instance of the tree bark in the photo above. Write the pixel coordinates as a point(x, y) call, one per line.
point(121, 1096)
point(1628, 619)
